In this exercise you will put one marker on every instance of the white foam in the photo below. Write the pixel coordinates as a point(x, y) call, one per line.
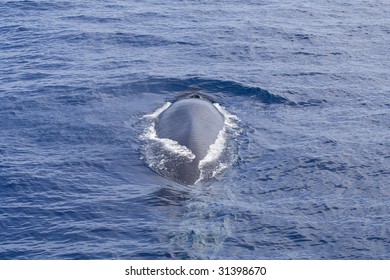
point(214, 159)
point(156, 113)
point(215, 149)
point(167, 144)
point(230, 119)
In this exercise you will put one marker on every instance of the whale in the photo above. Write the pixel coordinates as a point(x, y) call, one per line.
point(195, 123)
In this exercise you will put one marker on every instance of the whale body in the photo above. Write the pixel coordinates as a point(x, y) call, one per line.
point(193, 122)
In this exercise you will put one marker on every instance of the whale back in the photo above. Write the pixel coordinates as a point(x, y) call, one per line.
point(194, 123)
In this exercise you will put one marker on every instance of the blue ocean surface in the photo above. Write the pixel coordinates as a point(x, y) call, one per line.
point(309, 82)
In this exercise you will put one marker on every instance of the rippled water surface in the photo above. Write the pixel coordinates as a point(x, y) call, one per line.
point(308, 80)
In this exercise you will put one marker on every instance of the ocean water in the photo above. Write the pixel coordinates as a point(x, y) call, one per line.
point(307, 80)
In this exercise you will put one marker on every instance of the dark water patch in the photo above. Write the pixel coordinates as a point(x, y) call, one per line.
point(158, 255)
point(83, 256)
point(297, 237)
point(71, 95)
point(301, 74)
point(27, 37)
point(78, 38)
point(312, 102)
point(317, 208)
point(139, 40)
point(91, 19)
point(180, 255)
point(145, 16)
point(375, 238)
point(166, 196)
point(245, 245)
point(302, 37)
point(118, 39)
point(34, 76)
point(14, 108)
point(20, 254)
point(72, 134)
point(79, 96)
point(39, 5)
point(25, 181)
point(325, 164)
point(213, 87)
point(308, 54)
point(15, 28)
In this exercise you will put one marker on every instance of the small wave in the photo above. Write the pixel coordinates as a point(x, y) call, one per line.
point(166, 196)
point(39, 5)
point(124, 39)
point(302, 74)
point(91, 19)
point(210, 86)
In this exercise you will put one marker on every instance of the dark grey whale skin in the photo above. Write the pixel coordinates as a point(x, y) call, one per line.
point(193, 122)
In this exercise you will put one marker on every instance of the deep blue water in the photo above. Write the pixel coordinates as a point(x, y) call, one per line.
point(309, 81)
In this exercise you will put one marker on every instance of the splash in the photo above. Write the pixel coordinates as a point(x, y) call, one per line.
point(220, 154)
point(169, 145)
point(156, 113)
